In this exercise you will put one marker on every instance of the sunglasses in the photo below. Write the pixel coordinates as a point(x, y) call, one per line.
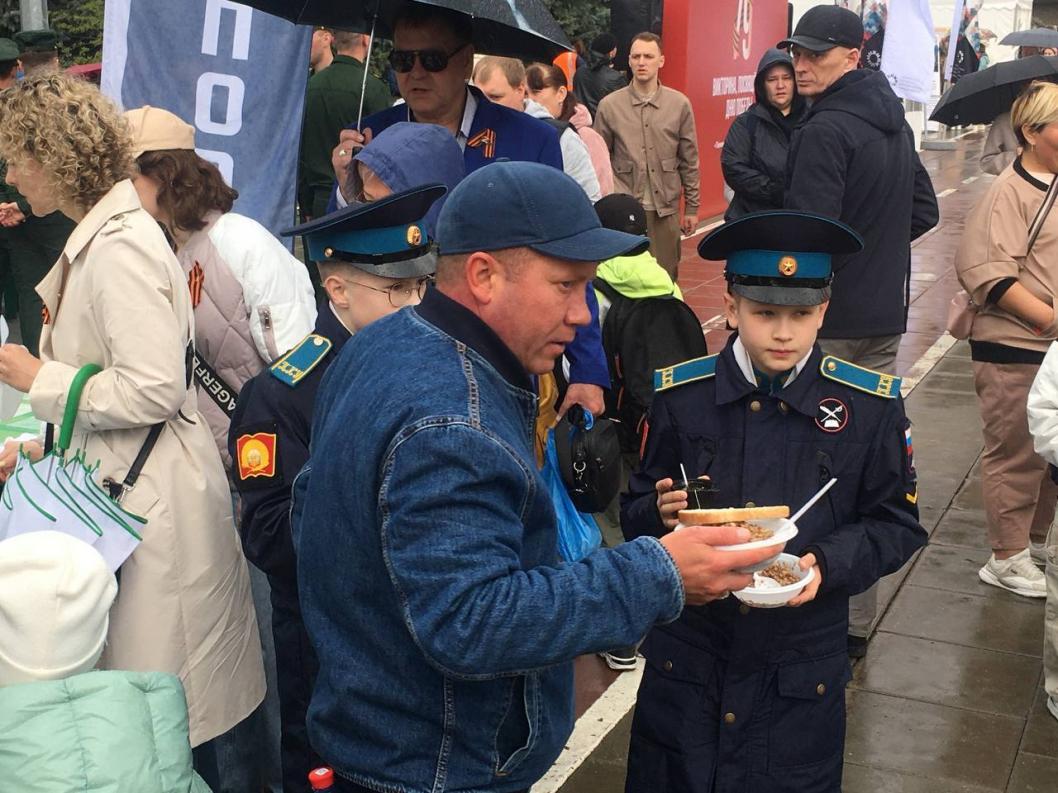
point(403, 61)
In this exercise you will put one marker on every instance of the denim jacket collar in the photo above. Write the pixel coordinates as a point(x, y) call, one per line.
point(463, 325)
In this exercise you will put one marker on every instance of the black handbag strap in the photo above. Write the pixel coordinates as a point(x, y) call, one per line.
point(118, 489)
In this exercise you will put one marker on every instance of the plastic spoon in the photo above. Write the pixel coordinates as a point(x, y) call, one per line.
point(811, 502)
point(687, 485)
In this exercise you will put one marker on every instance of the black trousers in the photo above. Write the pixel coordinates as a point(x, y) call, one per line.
point(344, 786)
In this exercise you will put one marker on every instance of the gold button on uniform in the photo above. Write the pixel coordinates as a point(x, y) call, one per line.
point(784, 408)
point(754, 406)
point(743, 609)
point(668, 666)
point(821, 689)
point(729, 718)
point(750, 505)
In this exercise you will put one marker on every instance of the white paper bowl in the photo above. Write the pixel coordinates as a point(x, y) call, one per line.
point(780, 596)
point(784, 532)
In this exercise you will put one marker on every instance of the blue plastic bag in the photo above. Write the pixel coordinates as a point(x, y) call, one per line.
point(578, 534)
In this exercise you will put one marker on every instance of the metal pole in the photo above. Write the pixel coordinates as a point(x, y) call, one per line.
point(34, 14)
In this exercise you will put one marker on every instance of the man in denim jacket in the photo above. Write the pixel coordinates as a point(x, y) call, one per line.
point(432, 590)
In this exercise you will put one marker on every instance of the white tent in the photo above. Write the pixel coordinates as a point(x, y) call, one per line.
point(999, 16)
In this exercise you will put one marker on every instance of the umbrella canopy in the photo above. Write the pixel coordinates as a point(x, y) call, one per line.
point(513, 28)
point(1037, 37)
point(979, 97)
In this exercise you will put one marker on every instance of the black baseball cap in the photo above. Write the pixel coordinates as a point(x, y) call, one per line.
point(824, 27)
point(622, 212)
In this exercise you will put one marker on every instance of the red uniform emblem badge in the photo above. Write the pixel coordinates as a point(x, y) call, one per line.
point(257, 455)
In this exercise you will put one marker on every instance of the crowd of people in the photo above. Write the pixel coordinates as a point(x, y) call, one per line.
point(351, 556)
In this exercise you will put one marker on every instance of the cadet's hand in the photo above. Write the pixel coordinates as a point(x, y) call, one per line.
point(18, 367)
point(689, 224)
point(11, 215)
point(588, 396)
point(810, 591)
point(348, 142)
point(9, 455)
point(709, 574)
point(670, 502)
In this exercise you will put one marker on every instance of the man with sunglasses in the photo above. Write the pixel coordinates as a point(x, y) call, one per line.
point(433, 57)
point(374, 259)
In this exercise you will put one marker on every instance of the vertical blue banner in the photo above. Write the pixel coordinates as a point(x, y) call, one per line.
point(237, 74)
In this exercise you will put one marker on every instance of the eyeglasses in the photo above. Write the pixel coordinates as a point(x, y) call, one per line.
point(403, 61)
point(399, 294)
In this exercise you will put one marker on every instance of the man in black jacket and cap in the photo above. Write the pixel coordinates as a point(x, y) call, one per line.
point(853, 159)
point(758, 143)
point(594, 81)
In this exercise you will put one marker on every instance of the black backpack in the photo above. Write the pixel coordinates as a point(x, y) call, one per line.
point(639, 336)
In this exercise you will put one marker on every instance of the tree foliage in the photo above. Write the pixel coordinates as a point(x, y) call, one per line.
point(81, 24)
point(581, 19)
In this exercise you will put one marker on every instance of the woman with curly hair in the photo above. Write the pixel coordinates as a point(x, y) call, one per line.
point(117, 298)
point(252, 299)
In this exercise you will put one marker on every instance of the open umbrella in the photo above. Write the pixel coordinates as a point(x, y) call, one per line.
point(1037, 37)
point(981, 96)
point(513, 28)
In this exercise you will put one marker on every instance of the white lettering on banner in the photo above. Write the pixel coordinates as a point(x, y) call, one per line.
point(733, 107)
point(232, 120)
point(729, 85)
point(240, 50)
point(224, 161)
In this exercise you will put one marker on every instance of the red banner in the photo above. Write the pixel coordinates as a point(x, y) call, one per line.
point(711, 54)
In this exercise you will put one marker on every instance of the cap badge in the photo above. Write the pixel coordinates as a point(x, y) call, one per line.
point(414, 236)
point(787, 266)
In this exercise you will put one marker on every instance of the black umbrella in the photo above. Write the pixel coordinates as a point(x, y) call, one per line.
point(981, 96)
point(514, 28)
point(1037, 37)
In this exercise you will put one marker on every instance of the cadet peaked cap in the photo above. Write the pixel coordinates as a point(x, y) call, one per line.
point(528, 205)
point(824, 27)
point(155, 129)
point(37, 40)
point(780, 257)
point(385, 237)
point(9, 51)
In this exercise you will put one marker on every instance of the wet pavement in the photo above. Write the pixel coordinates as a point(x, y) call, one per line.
point(949, 698)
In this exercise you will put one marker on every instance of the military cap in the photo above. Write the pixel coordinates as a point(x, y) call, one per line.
point(9, 50)
point(384, 237)
point(780, 257)
point(37, 40)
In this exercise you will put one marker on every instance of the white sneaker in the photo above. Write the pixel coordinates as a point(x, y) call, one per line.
point(1038, 552)
point(1052, 707)
point(1017, 574)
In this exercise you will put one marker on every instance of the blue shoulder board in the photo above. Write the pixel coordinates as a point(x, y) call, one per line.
point(686, 372)
point(302, 359)
point(866, 380)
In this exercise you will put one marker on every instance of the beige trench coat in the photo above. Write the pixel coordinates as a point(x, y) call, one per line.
point(184, 603)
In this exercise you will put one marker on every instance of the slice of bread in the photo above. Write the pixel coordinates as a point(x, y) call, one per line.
point(714, 517)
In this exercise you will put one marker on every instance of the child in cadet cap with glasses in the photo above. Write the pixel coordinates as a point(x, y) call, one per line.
point(741, 698)
point(374, 259)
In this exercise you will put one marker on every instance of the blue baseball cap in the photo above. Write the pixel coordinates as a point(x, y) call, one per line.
point(528, 205)
point(780, 257)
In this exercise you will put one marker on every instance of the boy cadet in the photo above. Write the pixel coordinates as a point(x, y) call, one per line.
point(741, 699)
point(374, 259)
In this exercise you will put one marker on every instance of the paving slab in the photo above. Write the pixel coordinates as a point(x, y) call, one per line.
point(1034, 773)
point(954, 569)
point(1041, 732)
point(965, 528)
point(863, 779)
point(1011, 625)
point(934, 741)
point(949, 674)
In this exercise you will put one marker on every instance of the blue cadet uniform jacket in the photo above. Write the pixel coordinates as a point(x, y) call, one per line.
point(743, 700)
point(269, 443)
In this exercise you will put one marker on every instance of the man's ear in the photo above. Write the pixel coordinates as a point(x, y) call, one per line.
point(661, 62)
point(334, 286)
point(481, 271)
point(822, 312)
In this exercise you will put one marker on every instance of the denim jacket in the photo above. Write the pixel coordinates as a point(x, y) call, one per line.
point(430, 582)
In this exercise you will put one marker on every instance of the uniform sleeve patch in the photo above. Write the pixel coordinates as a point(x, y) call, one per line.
point(257, 457)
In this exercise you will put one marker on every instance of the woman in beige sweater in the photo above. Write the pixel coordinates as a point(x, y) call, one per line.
point(1015, 288)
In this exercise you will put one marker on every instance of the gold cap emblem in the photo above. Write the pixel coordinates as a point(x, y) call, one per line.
point(414, 236)
point(787, 266)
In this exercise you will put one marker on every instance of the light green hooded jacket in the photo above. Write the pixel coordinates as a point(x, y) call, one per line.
point(98, 732)
point(637, 277)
